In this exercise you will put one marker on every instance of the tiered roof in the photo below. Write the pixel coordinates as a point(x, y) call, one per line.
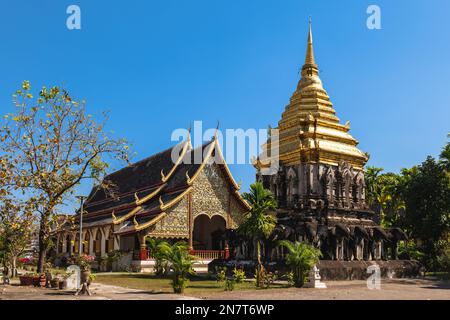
point(309, 130)
point(145, 190)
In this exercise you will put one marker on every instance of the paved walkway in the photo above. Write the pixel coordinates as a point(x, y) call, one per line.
point(99, 292)
point(399, 289)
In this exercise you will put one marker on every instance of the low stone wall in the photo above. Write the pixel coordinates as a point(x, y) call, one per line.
point(332, 269)
point(357, 270)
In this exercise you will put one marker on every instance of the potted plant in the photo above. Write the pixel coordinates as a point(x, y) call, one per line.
point(42, 280)
point(26, 279)
point(36, 279)
point(54, 282)
point(84, 262)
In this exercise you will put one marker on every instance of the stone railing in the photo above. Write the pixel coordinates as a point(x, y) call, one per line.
point(208, 254)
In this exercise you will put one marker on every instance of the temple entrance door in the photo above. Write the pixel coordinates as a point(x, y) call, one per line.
point(207, 232)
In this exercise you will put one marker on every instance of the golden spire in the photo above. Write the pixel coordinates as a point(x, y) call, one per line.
point(309, 130)
point(309, 60)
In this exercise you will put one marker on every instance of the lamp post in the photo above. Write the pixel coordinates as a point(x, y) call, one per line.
point(80, 244)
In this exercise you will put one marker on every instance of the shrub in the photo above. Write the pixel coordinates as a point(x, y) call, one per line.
point(408, 250)
point(181, 263)
point(221, 274)
point(443, 261)
point(290, 279)
point(266, 278)
point(301, 258)
point(238, 275)
point(230, 284)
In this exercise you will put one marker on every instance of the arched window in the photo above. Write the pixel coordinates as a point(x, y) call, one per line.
point(98, 243)
point(109, 241)
point(68, 244)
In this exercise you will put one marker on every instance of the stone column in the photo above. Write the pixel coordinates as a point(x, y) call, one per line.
point(91, 244)
point(116, 242)
point(102, 242)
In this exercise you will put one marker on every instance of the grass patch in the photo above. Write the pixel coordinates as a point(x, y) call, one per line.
point(199, 286)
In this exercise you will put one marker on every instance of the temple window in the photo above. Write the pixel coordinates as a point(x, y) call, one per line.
point(109, 242)
point(98, 243)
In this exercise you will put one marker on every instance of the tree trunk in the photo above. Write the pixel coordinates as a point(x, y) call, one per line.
point(42, 243)
point(260, 267)
point(41, 259)
point(14, 267)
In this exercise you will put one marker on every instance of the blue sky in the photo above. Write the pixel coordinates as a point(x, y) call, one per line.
point(159, 65)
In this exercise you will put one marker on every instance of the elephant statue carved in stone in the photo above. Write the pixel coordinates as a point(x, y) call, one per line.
point(338, 237)
point(358, 238)
point(395, 235)
point(378, 237)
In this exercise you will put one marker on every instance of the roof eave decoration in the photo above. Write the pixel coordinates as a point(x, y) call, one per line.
point(191, 180)
point(227, 169)
point(215, 144)
point(150, 196)
point(151, 222)
point(125, 217)
point(246, 204)
point(163, 206)
point(236, 186)
point(186, 147)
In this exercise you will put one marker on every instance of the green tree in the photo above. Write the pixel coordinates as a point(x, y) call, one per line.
point(16, 227)
point(158, 250)
point(371, 177)
point(51, 145)
point(445, 157)
point(259, 223)
point(384, 195)
point(301, 258)
point(427, 198)
point(181, 264)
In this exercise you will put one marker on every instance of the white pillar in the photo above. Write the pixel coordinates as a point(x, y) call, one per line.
point(116, 242)
point(91, 244)
point(102, 243)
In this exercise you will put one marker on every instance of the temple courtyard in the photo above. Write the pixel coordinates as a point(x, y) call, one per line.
point(122, 286)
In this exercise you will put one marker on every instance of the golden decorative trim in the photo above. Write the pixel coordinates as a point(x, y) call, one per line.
point(224, 163)
point(164, 178)
point(205, 160)
point(128, 215)
point(135, 221)
point(151, 222)
point(164, 206)
point(242, 199)
point(151, 195)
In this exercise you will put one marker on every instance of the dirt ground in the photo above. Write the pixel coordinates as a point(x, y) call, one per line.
point(399, 289)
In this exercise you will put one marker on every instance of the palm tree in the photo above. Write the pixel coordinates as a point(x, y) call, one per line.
point(182, 266)
point(158, 250)
point(258, 224)
point(301, 259)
